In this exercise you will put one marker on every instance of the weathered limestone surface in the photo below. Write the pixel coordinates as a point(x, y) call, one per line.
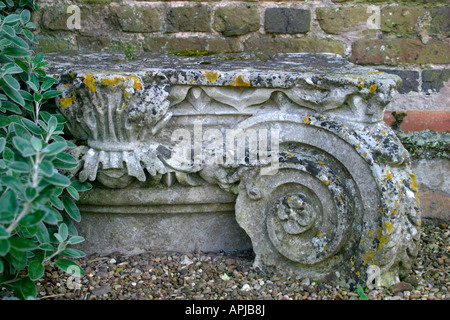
point(434, 189)
point(322, 186)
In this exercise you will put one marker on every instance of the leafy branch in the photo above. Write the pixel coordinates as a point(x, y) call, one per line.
point(37, 190)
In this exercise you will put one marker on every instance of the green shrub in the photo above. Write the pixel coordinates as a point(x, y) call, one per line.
point(426, 144)
point(37, 191)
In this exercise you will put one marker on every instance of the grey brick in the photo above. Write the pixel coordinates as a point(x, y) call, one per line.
point(236, 21)
point(410, 79)
point(433, 80)
point(287, 20)
point(440, 22)
point(194, 19)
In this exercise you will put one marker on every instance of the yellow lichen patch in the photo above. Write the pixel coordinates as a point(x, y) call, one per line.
point(307, 120)
point(325, 248)
point(89, 81)
point(288, 198)
point(111, 82)
point(323, 164)
point(191, 81)
point(326, 182)
point(388, 175)
point(240, 82)
point(66, 85)
point(211, 76)
point(369, 256)
point(116, 80)
point(413, 181)
point(72, 75)
point(136, 84)
point(66, 102)
point(388, 226)
point(373, 88)
point(319, 233)
point(383, 238)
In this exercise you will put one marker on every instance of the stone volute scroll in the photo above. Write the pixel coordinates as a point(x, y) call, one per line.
point(323, 187)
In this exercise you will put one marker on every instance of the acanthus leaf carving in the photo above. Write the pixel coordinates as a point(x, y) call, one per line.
point(117, 115)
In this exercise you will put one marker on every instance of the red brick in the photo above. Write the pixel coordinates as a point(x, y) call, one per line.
point(436, 120)
point(399, 50)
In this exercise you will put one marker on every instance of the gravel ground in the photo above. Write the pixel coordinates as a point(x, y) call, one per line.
point(230, 276)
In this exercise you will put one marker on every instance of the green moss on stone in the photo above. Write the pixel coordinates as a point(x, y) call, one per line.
point(236, 21)
point(52, 44)
point(193, 53)
point(137, 19)
point(400, 19)
point(335, 21)
point(265, 47)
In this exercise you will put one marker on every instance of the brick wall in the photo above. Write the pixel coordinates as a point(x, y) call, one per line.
point(410, 38)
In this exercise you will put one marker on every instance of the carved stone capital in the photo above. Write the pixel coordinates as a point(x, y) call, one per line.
point(324, 187)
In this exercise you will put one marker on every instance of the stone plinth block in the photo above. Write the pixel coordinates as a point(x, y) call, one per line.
point(296, 145)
